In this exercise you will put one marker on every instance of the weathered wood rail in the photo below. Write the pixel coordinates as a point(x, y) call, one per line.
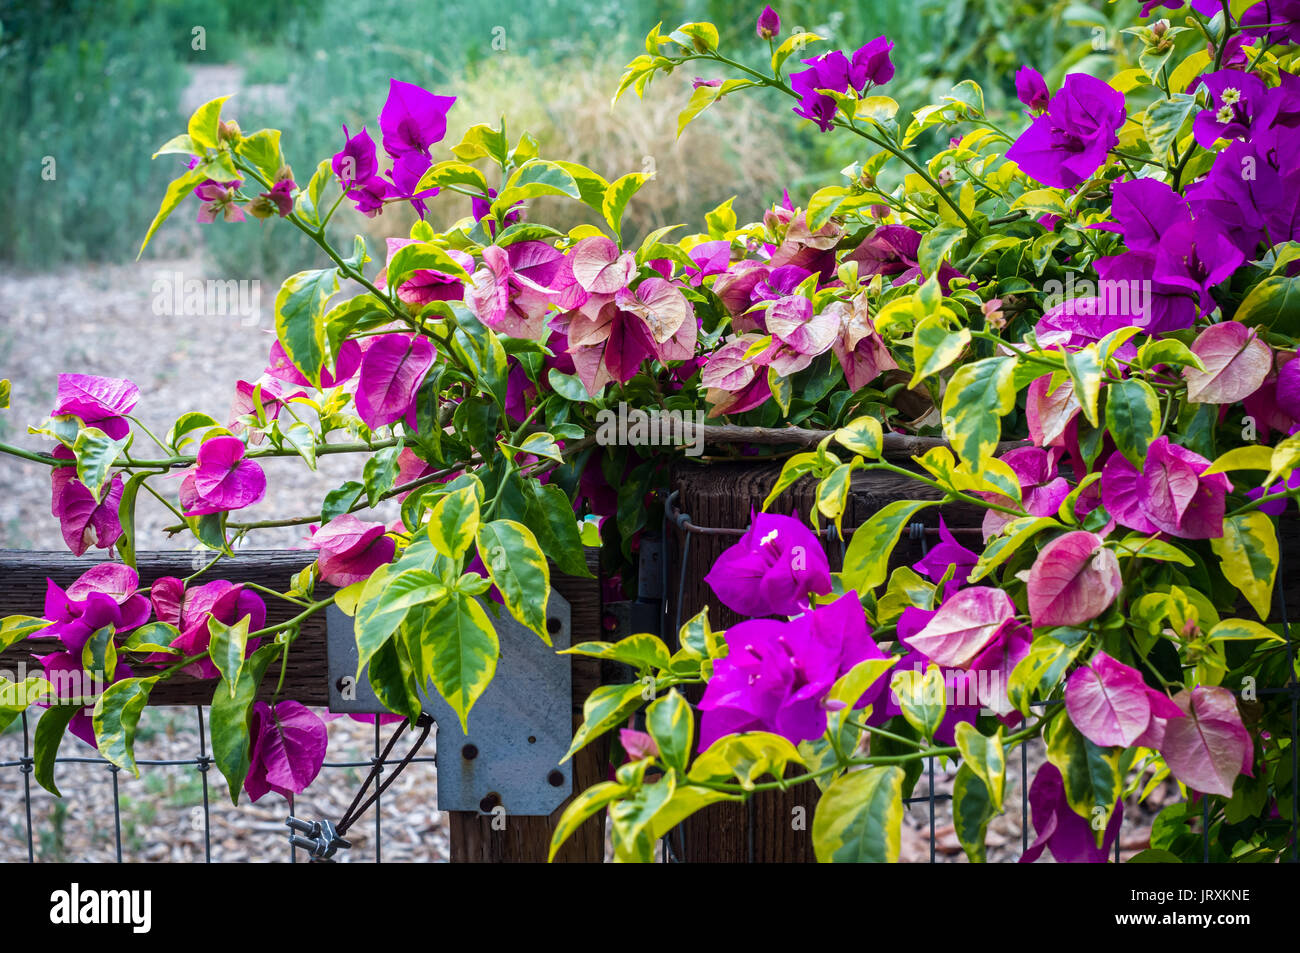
point(23, 576)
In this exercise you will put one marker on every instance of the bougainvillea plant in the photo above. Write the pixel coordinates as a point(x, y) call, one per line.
point(1093, 305)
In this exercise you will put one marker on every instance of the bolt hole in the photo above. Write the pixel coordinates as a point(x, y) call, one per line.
point(555, 778)
point(553, 625)
point(532, 739)
point(342, 683)
point(469, 752)
point(492, 800)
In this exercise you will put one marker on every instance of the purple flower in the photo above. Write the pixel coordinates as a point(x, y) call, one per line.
point(425, 284)
point(1177, 257)
point(948, 554)
point(219, 199)
point(1031, 89)
point(64, 672)
point(776, 675)
point(103, 595)
point(769, 24)
point(288, 749)
point(1206, 8)
point(1169, 494)
point(1275, 21)
point(100, 402)
point(350, 550)
point(1073, 580)
point(813, 105)
point(392, 370)
point(221, 479)
point(1069, 142)
point(871, 64)
point(858, 346)
point(345, 365)
point(356, 162)
point(772, 569)
point(413, 119)
point(1068, 836)
point(1235, 97)
point(405, 175)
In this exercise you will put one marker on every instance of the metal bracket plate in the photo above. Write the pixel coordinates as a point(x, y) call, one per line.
point(519, 729)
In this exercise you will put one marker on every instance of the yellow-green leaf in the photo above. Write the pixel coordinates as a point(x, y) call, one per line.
point(1248, 555)
point(860, 817)
point(519, 570)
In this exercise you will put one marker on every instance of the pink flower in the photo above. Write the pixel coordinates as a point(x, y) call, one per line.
point(1169, 494)
point(83, 520)
point(345, 366)
point(637, 744)
point(101, 402)
point(222, 479)
point(1042, 488)
point(392, 370)
point(189, 610)
point(1111, 705)
point(287, 750)
point(427, 285)
point(1074, 579)
point(350, 550)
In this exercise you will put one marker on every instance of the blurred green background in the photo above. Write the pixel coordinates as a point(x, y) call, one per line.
point(99, 84)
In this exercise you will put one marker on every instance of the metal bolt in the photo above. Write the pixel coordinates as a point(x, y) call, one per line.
point(556, 778)
point(342, 683)
point(469, 752)
point(532, 739)
point(488, 803)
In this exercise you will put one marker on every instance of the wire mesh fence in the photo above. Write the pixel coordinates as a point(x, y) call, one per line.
point(176, 794)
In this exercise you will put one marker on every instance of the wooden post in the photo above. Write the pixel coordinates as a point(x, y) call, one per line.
point(23, 578)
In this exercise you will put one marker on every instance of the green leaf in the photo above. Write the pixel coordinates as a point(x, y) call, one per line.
point(935, 347)
point(50, 730)
point(549, 514)
point(686, 799)
point(465, 650)
point(422, 256)
point(1167, 351)
point(226, 647)
point(641, 651)
point(583, 806)
point(794, 469)
point(860, 816)
point(922, 698)
point(788, 48)
point(95, 452)
point(977, 398)
point(862, 435)
point(116, 715)
point(1001, 548)
point(229, 717)
point(1274, 302)
point(605, 708)
point(866, 561)
point(452, 172)
point(535, 178)
point(1040, 671)
point(388, 595)
point(300, 318)
point(1132, 417)
point(204, 123)
point(380, 473)
point(177, 189)
point(617, 196)
point(16, 628)
point(1242, 630)
point(5, 388)
point(518, 568)
point(1093, 780)
point(262, 149)
point(972, 809)
point(99, 654)
point(1164, 118)
point(1084, 368)
point(341, 500)
point(1248, 554)
point(453, 522)
point(984, 755)
point(671, 724)
point(701, 99)
point(747, 757)
point(17, 697)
